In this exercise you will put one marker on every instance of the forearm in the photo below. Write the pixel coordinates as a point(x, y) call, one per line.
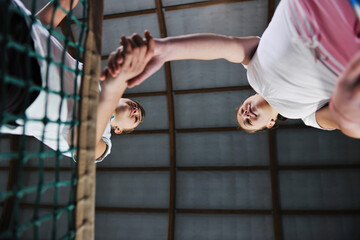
point(46, 14)
point(206, 47)
point(109, 98)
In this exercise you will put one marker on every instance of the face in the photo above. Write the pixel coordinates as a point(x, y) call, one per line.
point(256, 113)
point(127, 116)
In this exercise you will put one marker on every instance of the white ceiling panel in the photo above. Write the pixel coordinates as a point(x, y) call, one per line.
point(229, 227)
point(222, 149)
point(223, 190)
point(113, 29)
point(156, 113)
point(138, 151)
point(132, 189)
point(156, 83)
point(336, 227)
point(229, 19)
point(131, 226)
point(207, 74)
point(207, 109)
point(320, 189)
point(311, 146)
point(116, 6)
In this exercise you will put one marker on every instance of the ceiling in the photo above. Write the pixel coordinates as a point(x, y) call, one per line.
point(188, 173)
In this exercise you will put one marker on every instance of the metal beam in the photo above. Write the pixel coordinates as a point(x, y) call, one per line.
point(170, 99)
point(303, 212)
point(271, 9)
point(201, 4)
point(278, 233)
point(203, 168)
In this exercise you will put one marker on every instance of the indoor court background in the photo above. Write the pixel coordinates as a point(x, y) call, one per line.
point(188, 173)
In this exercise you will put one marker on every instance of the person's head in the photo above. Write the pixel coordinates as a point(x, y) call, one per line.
point(256, 114)
point(127, 116)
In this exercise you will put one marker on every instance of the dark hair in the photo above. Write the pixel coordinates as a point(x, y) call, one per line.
point(143, 113)
point(279, 118)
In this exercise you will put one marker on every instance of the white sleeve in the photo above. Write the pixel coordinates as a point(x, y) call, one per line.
point(106, 138)
point(311, 121)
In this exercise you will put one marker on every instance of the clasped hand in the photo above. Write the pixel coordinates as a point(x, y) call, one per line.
point(129, 59)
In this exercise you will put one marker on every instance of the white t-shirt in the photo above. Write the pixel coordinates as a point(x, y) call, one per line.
point(49, 104)
point(287, 72)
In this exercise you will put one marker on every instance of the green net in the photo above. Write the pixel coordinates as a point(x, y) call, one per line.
point(38, 116)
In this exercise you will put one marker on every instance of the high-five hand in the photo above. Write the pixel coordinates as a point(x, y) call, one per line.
point(130, 59)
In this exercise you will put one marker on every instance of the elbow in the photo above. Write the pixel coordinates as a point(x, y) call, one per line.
point(246, 48)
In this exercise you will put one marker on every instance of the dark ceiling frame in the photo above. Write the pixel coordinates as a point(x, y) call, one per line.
point(172, 138)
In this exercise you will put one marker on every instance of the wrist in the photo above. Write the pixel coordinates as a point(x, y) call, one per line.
point(112, 87)
point(162, 49)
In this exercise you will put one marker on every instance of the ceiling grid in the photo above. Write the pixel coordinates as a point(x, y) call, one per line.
point(274, 168)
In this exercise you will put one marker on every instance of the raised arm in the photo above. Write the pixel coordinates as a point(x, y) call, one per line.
point(46, 13)
point(203, 46)
point(125, 62)
point(134, 56)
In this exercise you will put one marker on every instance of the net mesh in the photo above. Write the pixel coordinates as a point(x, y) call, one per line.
point(38, 201)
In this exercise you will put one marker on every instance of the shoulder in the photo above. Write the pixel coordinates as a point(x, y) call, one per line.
point(105, 145)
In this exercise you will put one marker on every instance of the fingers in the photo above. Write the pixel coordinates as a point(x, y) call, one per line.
point(104, 74)
point(150, 44)
point(141, 46)
point(114, 62)
point(131, 58)
point(128, 50)
point(135, 45)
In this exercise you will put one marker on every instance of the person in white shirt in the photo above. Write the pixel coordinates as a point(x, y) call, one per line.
point(296, 67)
point(50, 111)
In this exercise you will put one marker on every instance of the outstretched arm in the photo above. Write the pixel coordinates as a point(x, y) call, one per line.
point(200, 47)
point(47, 12)
point(207, 46)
